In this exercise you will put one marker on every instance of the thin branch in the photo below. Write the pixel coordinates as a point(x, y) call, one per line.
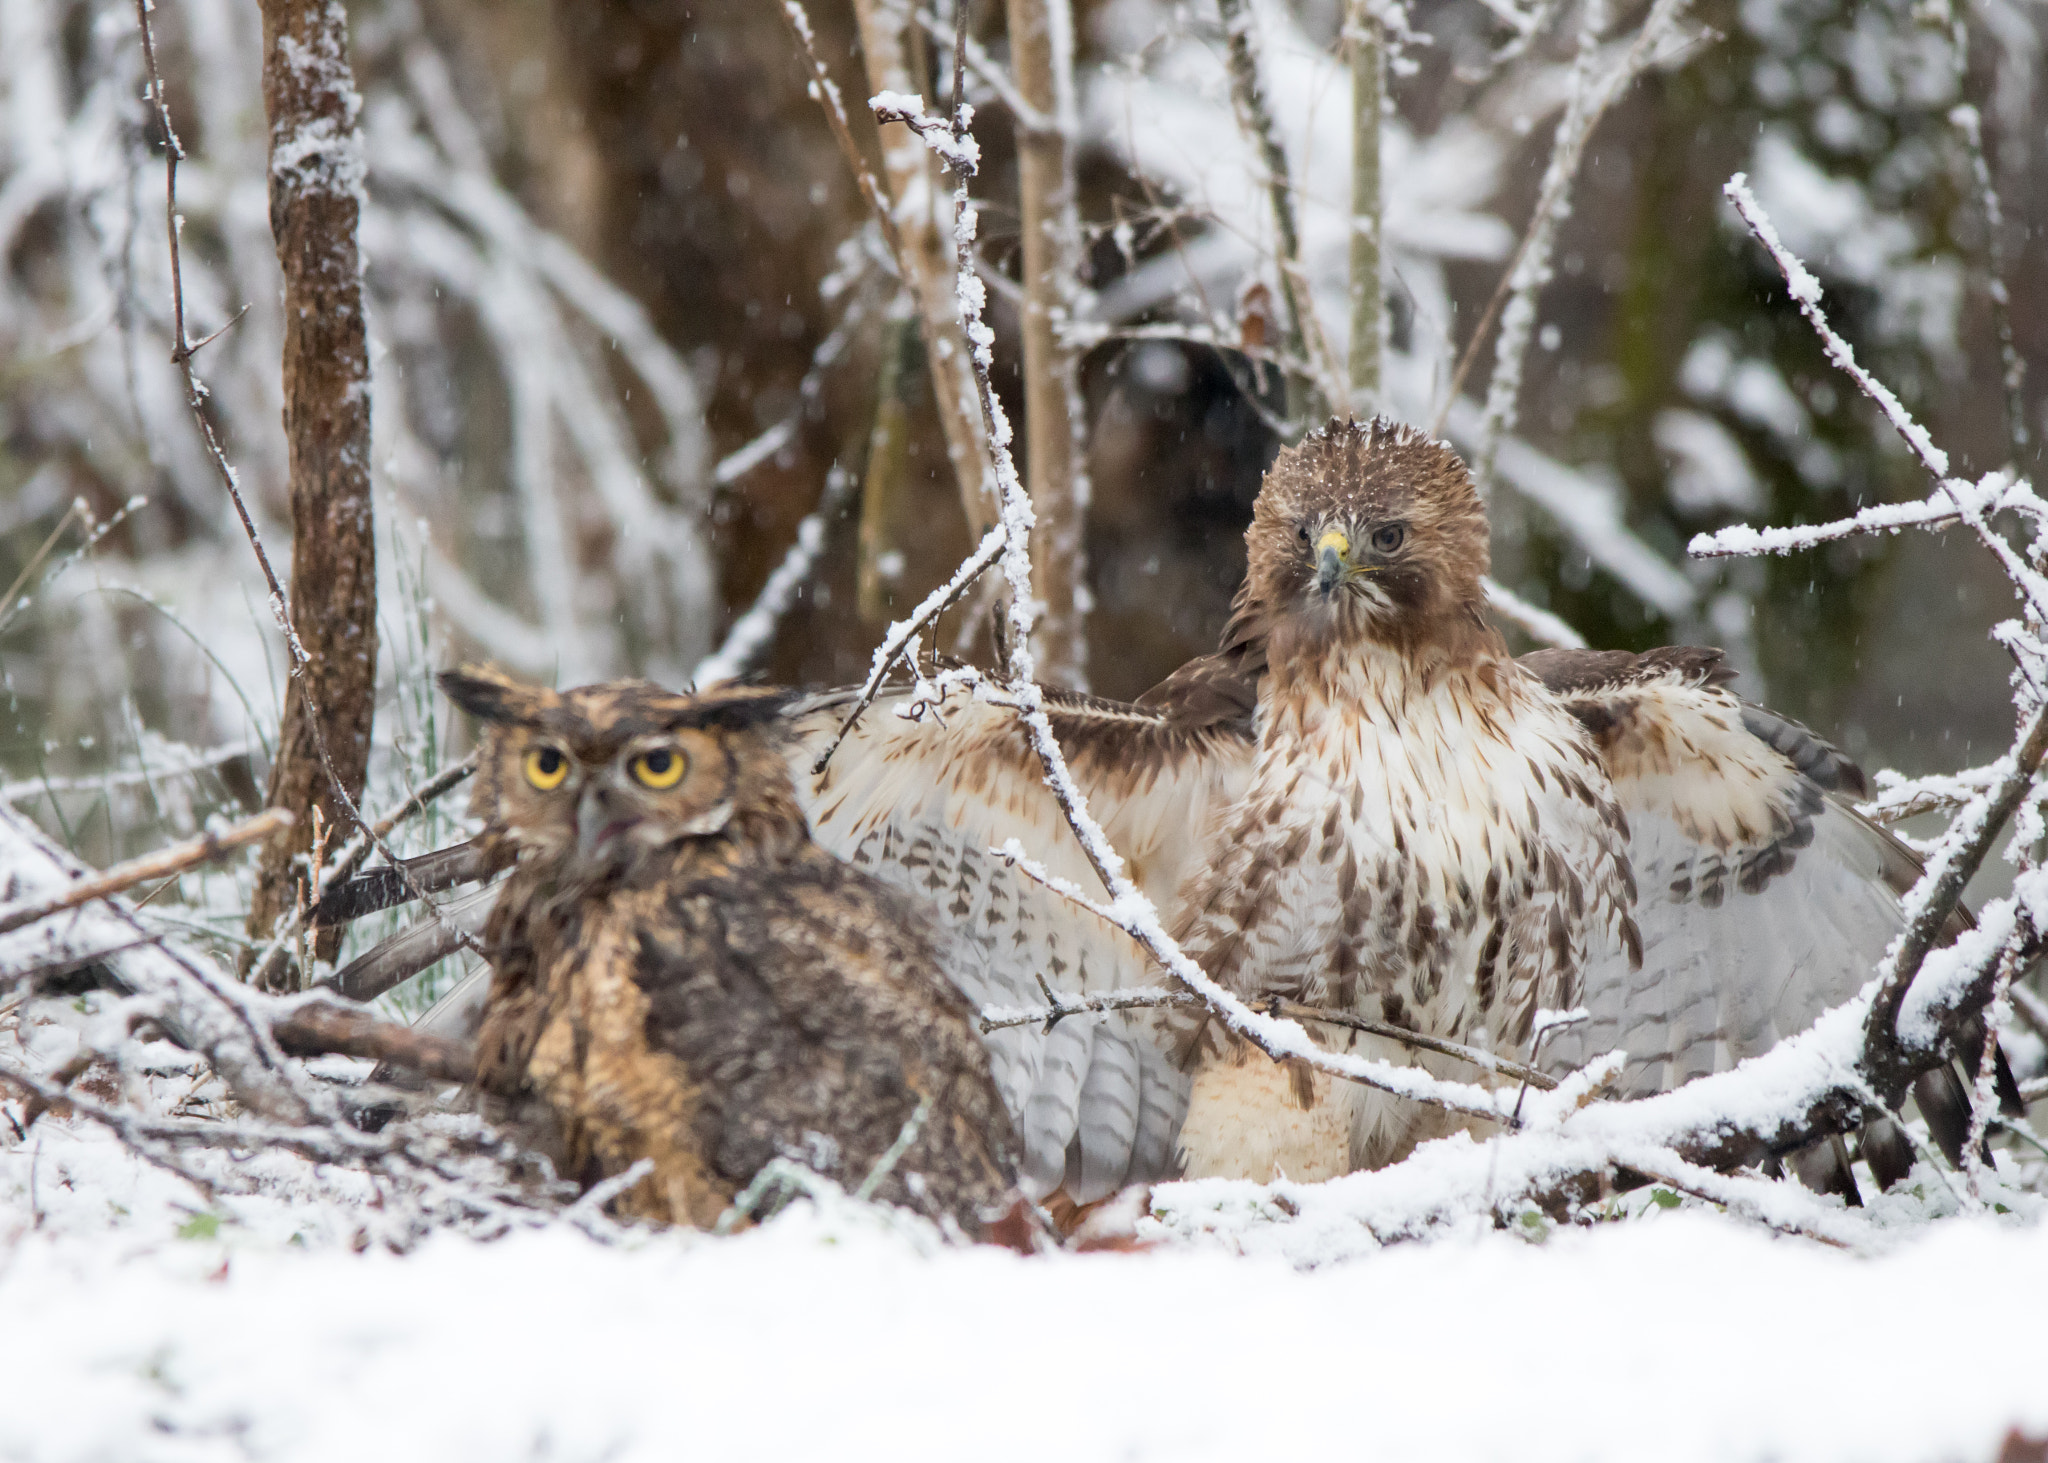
point(754, 631)
point(903, 637)
point(205, 849)
point(2005, 935)
point(1067, 1003)
point(1308, 396)
point(1991, 494)
point(107, 782)
point(984, 69)
point(1901, 798)
point(1806, 291)
point(1984, 1090)
point(1529, 268)
point(1970, 124)
point(2028, 1005)
point(916, 195)
point(825, 92)
point(1933, 900)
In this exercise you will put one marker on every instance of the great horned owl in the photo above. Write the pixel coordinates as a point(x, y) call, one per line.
point(682, 975)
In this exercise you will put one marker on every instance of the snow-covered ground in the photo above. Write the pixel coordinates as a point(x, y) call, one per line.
point(137, 1323)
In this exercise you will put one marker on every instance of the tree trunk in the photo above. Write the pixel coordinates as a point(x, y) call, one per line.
point(316, 179)
point(1042, 53)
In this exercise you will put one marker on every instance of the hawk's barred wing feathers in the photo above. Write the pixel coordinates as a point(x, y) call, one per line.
point(923, 803)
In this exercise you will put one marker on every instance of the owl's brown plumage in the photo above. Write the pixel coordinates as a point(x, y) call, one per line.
point(682, 975)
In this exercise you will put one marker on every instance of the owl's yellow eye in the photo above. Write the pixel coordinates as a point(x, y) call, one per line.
point(658, 769)
point(546, 767)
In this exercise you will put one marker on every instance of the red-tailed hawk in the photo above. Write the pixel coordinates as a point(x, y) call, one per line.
point(1362, 801)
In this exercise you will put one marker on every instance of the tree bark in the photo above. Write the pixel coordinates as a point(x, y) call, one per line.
point(316, 181)
point(1042, 56)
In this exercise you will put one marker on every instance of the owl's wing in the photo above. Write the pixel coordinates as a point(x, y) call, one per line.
point(1763, 897)
point(923, 803)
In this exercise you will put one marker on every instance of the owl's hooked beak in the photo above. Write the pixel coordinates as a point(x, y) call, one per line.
point(601, 816)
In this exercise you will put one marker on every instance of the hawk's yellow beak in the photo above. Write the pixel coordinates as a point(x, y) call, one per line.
point(1331, 561)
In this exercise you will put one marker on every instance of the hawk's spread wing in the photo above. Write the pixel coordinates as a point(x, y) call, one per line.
point(1763, 897)
point(921, 803)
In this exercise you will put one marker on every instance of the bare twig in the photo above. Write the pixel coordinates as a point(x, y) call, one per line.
point(106, 782)
point(1064, 1004)
point(205, 849)
point(1984, 1091)
point(2028, 1005)
point(1309, 394)
point(1991, 494)
point(754, 630)
point(1529, 268)
point(1888, 1057)
point(986, 70)
point(1969, 123)
point(1806, 292)
point(915, 195)
point(901, 641)
point(825, 92)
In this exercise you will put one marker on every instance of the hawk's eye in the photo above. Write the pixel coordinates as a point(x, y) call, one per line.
point(658, 769)
point(1388, 539)
point(1304, 533)
point(546, 767)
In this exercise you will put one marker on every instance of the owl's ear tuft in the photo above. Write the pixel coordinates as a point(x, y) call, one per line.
point(734, 708)
point(488, 694)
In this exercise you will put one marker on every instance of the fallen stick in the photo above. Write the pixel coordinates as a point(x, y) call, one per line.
point(318, 1027)
point(165, 862)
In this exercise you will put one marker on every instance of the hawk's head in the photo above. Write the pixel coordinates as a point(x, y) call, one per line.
point(1367, 530)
